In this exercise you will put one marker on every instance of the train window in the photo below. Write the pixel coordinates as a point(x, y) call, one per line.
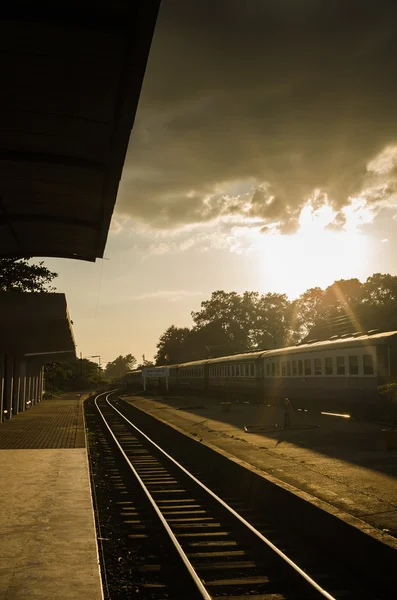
point(237, 370)
point(308, 366)
point(353, 365)
point(317, 366)
point(268, 370)
point(283, 369)
point(252, 368)
point(277, 369)
point(368, 364)
point(329, 367)
point(340, 365)
point(273, 369)
point(294, 368)
point(300, 367)
point(288, 369)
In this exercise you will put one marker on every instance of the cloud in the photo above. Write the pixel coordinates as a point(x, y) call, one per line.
point(166, 295)
point(282, 97)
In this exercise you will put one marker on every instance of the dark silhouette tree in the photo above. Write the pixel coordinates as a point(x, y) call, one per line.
point(18, 274)
point(171, 345)
point(120, 366)
point(307, 312)
point(68, 376)
point(229, 322)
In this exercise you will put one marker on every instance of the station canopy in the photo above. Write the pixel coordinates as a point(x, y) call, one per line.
point(36, 326)
point(71, 75)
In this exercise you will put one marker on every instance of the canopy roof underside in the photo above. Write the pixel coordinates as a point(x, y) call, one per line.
point(72, 72)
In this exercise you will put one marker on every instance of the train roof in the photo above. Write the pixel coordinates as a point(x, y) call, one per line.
point(372, 337)
point(345, 341)
point(241, 356)
point(193, 363)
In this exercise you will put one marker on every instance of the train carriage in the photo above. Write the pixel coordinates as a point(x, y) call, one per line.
point(193, 376)
point(236, 376)
point(340, 374)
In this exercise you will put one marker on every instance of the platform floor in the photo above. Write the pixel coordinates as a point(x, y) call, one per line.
point(333, 460)
point(47, 533)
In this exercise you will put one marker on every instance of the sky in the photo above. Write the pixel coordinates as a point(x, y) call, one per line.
point(263, 157)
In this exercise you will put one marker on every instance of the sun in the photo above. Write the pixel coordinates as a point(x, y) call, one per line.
point(315, 255)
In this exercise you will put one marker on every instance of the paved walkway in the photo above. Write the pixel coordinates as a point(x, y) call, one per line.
point(50, 424)
point(47, 534)
point(333, 459)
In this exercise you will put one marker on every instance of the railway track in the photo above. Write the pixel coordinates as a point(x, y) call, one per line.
point(192, 544)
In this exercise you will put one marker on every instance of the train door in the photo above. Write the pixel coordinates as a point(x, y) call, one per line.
point(206, 376)
point(259, 379)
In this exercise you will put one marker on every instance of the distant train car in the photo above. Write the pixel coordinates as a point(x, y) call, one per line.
point(193, 376)
point(133, 381)
point(236, 376)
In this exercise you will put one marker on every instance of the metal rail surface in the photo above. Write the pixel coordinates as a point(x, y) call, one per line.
point(317, 590)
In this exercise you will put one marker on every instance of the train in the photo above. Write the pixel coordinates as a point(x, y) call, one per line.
point(340, 374)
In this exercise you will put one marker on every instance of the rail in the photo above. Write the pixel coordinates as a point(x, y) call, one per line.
point(201, 588)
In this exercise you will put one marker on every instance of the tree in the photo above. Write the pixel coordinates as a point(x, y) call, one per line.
point(17, 274)
point(226, 315)
point(272, 327)
point(68, 376)
point(244, 322)
point(229, 322)
point(171, 345)
point(343, 293)
point(308, 312)
point(145, 364)
point(380, 289)
point(119, 367)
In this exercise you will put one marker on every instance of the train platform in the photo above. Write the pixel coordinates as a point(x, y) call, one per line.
point(47, 534)
point(333, 461)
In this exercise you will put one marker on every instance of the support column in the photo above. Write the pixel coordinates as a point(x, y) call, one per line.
point(8, 386)
point(17, 386)
point(1, 386)
point(41, 383)
point(28, 401)
point(36, 385)
point(22, 392)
